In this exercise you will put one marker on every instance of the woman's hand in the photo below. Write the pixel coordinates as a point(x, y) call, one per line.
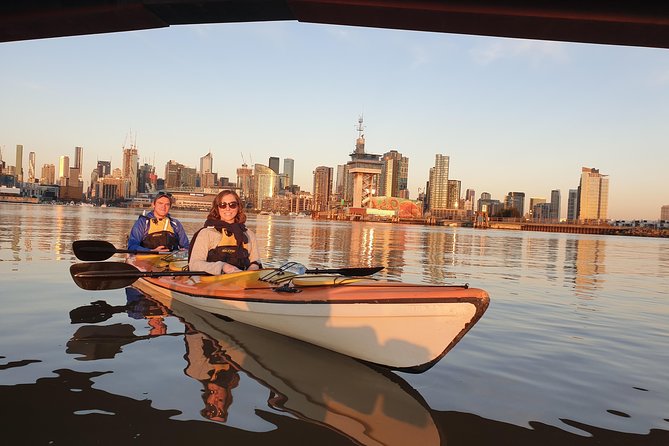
point(229, 269)
point(253, 267)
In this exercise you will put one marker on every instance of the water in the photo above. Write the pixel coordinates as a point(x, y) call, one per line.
point(572, 350)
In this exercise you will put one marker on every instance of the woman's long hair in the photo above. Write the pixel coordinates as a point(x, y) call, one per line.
point(215, 215)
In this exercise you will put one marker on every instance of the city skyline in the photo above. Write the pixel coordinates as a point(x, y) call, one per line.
point(512, 114)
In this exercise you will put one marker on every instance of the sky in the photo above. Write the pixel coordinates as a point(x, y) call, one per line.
point(512, 114)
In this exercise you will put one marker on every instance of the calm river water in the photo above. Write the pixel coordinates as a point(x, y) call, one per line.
point(573, 350)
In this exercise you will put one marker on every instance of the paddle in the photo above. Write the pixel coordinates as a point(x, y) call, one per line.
point(114, 275)
point(93, 250)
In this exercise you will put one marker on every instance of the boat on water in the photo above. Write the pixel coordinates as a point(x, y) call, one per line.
point(402, 326)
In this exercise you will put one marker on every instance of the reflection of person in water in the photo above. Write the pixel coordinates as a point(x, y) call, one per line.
point(207, 364)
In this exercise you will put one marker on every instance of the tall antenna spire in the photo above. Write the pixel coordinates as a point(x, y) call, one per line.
point(360, 142)
point(360, 128)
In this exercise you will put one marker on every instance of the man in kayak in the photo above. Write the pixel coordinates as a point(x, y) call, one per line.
point(158, 230)
point(224, 245)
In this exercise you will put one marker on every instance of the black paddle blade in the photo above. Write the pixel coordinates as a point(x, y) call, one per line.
point(93, 250)
point(104, 279)
point(349, 272)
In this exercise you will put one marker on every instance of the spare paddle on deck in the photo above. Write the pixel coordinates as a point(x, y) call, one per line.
point(93, 250)
point(114, 275)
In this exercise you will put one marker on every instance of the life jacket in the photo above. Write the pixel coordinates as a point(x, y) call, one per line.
point(160, 234)
point(227, 251)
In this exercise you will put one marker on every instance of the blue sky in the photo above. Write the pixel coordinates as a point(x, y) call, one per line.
point(512, 114)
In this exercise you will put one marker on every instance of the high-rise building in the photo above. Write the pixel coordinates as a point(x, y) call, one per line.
point(555, 205)
point(394, 174)
point(265, 184)
point(533, 202)
point(470, 198)
point(572, 205)
point(322, 188)
point(437, 194)
point(31, 167)
point(244, 183)
point(664, 212)
point(78, 157)
point(274, 164)
point(104, 168)
point(19, 163)
point(63, 166)
point(130, 167)
point(289, 171)
point(454, 190)
point(206, 174)
point(593, 197)
point(48, 174)
point(515, 200)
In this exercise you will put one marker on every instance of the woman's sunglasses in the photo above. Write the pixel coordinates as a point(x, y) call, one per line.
point(232, 205)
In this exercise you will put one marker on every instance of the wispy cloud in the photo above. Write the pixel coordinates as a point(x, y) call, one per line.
point(532, 50)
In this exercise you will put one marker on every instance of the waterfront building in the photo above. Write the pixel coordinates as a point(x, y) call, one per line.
point(274, 164)
point(533, 202)
point(19, 163)
point(394, 174)
point(322, 191)
point(363, 172)
point(289, 171)
point(454, 190)
point(178, 176)
point(147, 179)
point(470, 198)
point(572, 205)
point(555, 205)
point(593, 198)
point(340, 184)
point(31, 167)
point(515, 200)
point(265, 184)
point(207, 177)
point(437, 189)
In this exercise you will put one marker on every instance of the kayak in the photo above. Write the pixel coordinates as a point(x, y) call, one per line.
point(406, 327)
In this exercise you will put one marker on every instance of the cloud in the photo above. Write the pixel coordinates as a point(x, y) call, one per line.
point(532, 50)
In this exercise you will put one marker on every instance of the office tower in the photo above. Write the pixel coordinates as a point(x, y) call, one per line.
point(470, 198)
point(207, 176)
point(322, 188)
point(48, 174)
point(664, 212)
point(104, 168)
point(515, 200)
point(572, 205)
point(31, 167)
point(593, 199)
point(19, 163)
point(130, 166)
point(78, 157)
point(289, 171)
point(244, 184)
point(438, 187)
point(454, 190)
point(63, 166)
point(533, 202)
point(265, 184)
point(274, 164)
point(555, 205)
point(394, 174)
point(146, 179)
point(486, 196)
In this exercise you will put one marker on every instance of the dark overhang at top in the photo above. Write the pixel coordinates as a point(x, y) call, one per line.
point(617, 22)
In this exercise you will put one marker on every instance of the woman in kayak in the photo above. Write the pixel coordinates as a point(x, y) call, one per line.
point(224, 245)
point(158, 230)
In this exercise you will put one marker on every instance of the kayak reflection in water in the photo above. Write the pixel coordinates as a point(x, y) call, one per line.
point(207, 364)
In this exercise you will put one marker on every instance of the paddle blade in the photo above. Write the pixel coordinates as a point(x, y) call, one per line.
point(349, 272)
point(93, 250)
point(103, 281)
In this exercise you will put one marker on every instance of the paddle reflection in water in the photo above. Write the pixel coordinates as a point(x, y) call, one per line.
point(366, 405)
